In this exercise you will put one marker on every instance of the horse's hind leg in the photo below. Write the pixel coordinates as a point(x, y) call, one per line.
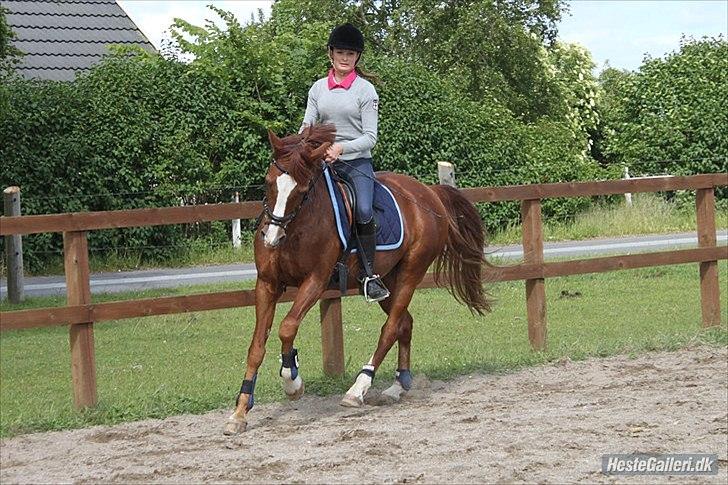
point(403, 377)
point(401, 295)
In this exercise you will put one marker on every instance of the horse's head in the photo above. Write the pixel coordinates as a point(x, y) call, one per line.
point(296, 161)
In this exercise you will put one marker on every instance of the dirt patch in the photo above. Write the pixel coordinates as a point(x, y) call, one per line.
point(544, 424)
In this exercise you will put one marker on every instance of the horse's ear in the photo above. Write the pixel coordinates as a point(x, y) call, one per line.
point(319, 153)
point(275, 142)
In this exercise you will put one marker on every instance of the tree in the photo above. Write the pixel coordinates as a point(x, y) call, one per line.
point(9, 54)
point(141, 130)
point(493, 48)
point(670, 116)
point(570, 66)
point(610, 85)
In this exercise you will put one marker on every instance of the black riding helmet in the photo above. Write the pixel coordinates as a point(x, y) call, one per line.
point(346, 37)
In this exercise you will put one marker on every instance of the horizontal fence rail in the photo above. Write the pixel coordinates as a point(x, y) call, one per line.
point(589, 189)
point(80, 313)
point(162, 216)
point(90, 221)
point(117, 310)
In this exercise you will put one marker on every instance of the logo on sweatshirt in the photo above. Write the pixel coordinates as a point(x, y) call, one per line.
point(375, 104)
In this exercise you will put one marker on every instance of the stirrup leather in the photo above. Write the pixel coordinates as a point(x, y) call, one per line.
point(365, 286)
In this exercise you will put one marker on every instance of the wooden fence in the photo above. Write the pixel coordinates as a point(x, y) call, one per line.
point(81, 313)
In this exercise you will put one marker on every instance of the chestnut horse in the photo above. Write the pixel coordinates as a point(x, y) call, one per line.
point(299, 247)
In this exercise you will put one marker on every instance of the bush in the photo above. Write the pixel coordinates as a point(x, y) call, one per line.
point(670, 116)
point(134, 132)
point(424, 119)
point(141, 130)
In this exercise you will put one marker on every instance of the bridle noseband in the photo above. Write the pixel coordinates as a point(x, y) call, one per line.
point(283, 222)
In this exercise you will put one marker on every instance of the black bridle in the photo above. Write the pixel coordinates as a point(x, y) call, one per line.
point(283, 222)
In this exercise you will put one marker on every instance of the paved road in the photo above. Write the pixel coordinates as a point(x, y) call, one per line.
point(169, 278)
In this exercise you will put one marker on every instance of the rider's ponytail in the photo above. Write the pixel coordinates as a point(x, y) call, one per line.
point(369, 76)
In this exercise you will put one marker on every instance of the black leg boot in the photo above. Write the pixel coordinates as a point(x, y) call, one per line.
point(372, 286)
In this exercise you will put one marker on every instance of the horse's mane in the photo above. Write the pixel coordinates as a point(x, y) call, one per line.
point(296, 150)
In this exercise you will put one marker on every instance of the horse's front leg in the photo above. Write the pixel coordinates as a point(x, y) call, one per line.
point(308, 294)
point(266, 296)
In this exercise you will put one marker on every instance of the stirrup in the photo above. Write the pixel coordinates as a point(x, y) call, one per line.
point(365, 285)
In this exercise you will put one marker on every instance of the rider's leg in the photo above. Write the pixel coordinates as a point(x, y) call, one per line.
point(361, 173)
point(375, 289)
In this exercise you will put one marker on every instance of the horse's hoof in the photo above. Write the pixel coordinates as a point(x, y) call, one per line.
point(234, 427)
point(351, 401)
point(394, 392)
point(297, 395)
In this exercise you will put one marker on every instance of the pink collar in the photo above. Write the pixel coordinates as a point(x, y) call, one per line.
point(345, 83)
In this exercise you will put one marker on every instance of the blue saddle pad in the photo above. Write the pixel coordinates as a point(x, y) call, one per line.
point(390, 230)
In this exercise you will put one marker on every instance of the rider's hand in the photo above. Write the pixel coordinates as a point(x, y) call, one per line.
point(333, 152)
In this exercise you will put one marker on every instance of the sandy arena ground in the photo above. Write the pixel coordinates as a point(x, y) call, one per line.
point(544, 424)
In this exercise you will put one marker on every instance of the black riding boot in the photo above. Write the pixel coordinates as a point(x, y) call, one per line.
point(372, 287)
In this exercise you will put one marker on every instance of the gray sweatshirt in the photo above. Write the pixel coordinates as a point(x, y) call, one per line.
point(353, 111)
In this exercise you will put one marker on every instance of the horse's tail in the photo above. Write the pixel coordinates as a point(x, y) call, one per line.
point(463, 257)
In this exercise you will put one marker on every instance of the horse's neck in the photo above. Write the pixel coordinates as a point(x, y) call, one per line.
point(314, 220)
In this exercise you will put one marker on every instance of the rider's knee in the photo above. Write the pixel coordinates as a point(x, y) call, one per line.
point(364, 215)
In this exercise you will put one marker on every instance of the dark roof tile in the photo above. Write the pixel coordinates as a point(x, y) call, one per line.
point(69, 21)
point(60, 62)
point(60, 37)
point(66, 48)
point(78, 35)
point(48, 74)
point(109, 9)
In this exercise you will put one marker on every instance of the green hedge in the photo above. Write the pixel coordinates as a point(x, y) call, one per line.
point(424, 119)
point(133, 133)
point(669, 117)
point(143, 131)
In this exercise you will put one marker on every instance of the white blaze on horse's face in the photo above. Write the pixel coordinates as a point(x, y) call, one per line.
point(285, 184)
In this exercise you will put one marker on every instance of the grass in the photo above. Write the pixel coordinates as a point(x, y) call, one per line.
point(192, 363)
point(649, 214)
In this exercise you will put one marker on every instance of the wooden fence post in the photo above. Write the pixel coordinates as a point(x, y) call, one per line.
point(535, 288)
point(446, 173)
point(709, 289)
point(14, 248)
point(627, 195)
point(78, 290)
point(332, 337)
point(237, 240)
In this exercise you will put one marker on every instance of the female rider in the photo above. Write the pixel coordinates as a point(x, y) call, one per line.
point(350, 102)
